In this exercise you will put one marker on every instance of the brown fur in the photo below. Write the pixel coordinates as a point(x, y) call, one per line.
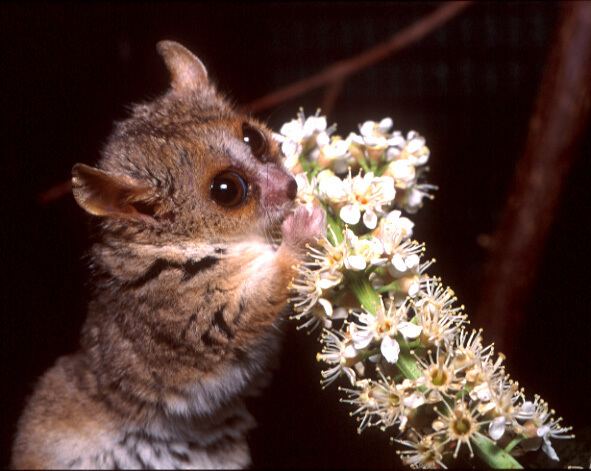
point(187, 293)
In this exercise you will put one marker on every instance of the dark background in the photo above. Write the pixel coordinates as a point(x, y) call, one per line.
point(68, 70)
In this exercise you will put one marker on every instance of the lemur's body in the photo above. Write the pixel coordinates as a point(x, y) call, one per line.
point(187, 289)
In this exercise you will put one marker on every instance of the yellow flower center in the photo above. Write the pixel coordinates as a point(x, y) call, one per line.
point(462, 426)
point(439, 376)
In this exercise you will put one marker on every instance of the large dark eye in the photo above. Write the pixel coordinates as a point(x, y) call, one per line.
point(256, 141)
point(228, 189)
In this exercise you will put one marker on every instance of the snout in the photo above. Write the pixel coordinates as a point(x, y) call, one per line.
point(277, 187)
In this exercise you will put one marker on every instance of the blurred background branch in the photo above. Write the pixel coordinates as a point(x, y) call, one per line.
point(339, 71)
point(555, 131)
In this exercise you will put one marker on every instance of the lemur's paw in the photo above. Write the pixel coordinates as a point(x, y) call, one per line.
point(304, 226)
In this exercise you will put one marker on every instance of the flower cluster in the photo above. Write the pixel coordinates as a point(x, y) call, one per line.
point(393, 333)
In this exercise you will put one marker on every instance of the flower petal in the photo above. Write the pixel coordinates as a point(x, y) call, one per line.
point(350, 214)
point(360, 368)
point(412, 261)
point(361, 338)
point(339, 313)
point(292, 130)
point(355, 262)
point(409, 330)
point(350, 374)
point(496, 428)
point(370, 219)
point(413, 289)
point(527, 410)
point(367, 128)
point(290, 149)
point(390, 349)
point(413, 401)
point(403, 422)
point(327, 283)
point(350, 352)
point(547, 448)
point(543, 430)
point(322, 139)
point(398, 263)
point(385, 124)
point(326, 305)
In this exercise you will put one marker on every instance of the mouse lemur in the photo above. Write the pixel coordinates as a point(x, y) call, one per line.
point(187, 288)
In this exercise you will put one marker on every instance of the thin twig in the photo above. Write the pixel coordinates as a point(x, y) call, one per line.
point(342, 69)
point(555, 130)
point(331, 95)
point(55, 192)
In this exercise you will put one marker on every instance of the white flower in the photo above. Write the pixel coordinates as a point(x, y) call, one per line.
point(403, 172)
point(496, 429)
point(454, 369)
point(306, 189)
point(411, 199)
point(497, 396)
point(540, 426)
point(405, 257)
point(331, 188)
point(366, 194)
point(460, 424)
point(393, 229)
point(302, 135)
point(308, 288)
point(362, 251)
point(412, 148)
point(352, 253)
point(426, 452)
point(383, 327)
point(439, 376)
point(440, 321)
point(469, 350)
point(363, 397)
point(301, 128)
point(322, 313)
point(335, 155)
point(329, 257)
point(375, 135)
point(383, 402)
point(338, 351)
point(404, 254)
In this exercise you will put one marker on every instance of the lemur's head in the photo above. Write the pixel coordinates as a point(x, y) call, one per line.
point(186, 166)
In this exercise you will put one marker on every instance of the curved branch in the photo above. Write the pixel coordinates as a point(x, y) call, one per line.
point(342, 69)
point(562, 110)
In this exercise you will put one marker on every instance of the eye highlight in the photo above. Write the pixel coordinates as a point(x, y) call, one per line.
point(228, 189)
point(256, 140)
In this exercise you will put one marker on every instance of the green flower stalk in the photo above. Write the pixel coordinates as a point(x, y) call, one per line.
point(391, 333)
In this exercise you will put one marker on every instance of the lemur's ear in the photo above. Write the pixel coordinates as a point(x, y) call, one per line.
point(104, 194)
point(187, 72)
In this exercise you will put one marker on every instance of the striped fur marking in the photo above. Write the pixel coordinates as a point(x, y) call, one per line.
point(190, 269)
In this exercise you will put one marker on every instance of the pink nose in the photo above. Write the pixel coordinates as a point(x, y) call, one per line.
point(277, 186)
